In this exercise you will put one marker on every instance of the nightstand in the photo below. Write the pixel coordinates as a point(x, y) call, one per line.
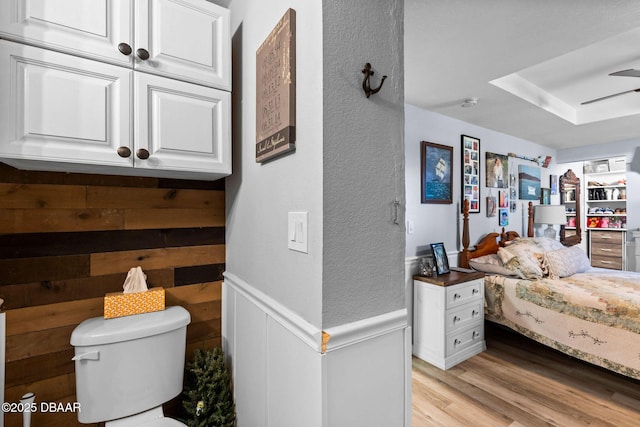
point(448, 317)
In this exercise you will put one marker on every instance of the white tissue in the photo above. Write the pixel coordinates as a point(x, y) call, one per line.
point(136, 281)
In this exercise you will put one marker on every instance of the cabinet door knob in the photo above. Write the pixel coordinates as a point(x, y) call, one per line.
point(142, 54)
point(124, 151)
point(142, 154)
point(125, 49)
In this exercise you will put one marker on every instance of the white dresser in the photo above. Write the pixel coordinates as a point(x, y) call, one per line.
point(448, 317)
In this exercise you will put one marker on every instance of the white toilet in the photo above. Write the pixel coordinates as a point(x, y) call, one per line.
point(127, 367)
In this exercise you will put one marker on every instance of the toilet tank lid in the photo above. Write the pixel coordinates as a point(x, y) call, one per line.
point(99, 330)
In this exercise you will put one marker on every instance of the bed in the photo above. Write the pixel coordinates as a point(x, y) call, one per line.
point(551, 294)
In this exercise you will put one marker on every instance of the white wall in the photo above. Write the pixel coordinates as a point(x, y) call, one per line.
point(259, 196)
point(442, 223)
point(346, 172)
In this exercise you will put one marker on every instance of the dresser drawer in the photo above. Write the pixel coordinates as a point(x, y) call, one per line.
point(464, 316)
point(464, 293)
point(460, 340)
point(608, 237)
point(604, 250)
point(606, 262)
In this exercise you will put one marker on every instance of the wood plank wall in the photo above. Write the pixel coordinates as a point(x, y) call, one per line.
point(67, 239)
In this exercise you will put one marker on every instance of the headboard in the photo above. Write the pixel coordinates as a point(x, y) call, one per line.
point(489, 243)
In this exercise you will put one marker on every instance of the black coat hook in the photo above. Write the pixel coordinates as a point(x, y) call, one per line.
point(366, 86)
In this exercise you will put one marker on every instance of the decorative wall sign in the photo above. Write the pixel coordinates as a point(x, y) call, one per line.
point(529, 179)
point(276, 90)
point(471, 172)
point(436, 173)
point(497, 170)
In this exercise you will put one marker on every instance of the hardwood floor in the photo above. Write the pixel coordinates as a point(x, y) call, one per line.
point(518, 382)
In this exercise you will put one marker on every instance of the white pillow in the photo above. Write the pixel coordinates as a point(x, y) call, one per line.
point(566, 261)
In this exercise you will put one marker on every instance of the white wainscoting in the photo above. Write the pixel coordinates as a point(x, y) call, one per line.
point(283, 378)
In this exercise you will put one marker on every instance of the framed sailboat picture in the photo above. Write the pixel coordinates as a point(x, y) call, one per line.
point(437, 173)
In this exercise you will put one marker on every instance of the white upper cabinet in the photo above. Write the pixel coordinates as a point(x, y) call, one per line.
point(90, 28)
point(132, 87)
point(182, 39)
point(181, 126)
point(62, 108)
point(63, 112)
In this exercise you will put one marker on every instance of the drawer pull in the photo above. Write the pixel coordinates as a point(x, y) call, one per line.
point(475, 335)
point(606, 262)
point(125, 49)
point(142, 154)
point(474, 313)
point(456, 296)
point(456, 319)
point(124, 151)
point(606, 250)
point(142, 54)
point(475, 291)
point(456, 342)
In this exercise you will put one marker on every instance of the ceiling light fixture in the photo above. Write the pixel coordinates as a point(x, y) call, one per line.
point(469, 102)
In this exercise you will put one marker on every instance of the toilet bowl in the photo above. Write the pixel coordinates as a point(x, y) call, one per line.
point(127, 367)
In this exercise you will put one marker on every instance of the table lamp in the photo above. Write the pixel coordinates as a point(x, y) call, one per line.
point(550, 215)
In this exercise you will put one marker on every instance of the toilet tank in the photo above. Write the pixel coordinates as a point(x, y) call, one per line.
point(130, 364)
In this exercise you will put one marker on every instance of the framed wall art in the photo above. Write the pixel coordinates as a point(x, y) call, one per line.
point(436, 173)
point(545, 196)
point(553, 184)
point(471, 172)
point(497, 170)
point(529, 179)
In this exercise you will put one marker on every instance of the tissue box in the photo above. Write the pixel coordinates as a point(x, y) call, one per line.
point(117, 304)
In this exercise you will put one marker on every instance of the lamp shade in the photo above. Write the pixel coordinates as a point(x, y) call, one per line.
point(549, 214)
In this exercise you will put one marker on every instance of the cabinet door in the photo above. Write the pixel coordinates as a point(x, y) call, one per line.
point(62, 108)
point(185, 39)
point(87, 28)
point(184, 127)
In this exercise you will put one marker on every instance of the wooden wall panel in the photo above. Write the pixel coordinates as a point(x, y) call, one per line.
point(67, 239)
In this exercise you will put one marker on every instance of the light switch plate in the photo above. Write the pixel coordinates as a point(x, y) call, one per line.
point(297, 231)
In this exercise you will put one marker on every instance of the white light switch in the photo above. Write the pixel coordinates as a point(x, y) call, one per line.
point(297, 231)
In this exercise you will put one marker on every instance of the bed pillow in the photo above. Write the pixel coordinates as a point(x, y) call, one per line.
point(547, 244)
point(523, 257)
point(566, 261)
point(490, 264)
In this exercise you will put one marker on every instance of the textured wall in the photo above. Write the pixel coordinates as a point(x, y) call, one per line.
point(363, 158)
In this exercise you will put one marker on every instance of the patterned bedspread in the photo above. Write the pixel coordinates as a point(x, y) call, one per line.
point(594, 316)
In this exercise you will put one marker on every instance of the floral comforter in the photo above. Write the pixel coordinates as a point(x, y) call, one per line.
point(594, 316)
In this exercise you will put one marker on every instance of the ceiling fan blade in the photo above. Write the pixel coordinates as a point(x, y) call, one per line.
point(627, 73)
point(609, 96)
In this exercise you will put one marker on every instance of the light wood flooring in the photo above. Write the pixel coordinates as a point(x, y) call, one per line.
point(518, 382)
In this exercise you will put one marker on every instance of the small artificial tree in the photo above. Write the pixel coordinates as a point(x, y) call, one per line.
point(208, 398)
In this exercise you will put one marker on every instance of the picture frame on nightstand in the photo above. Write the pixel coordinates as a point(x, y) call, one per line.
point(440, 257)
